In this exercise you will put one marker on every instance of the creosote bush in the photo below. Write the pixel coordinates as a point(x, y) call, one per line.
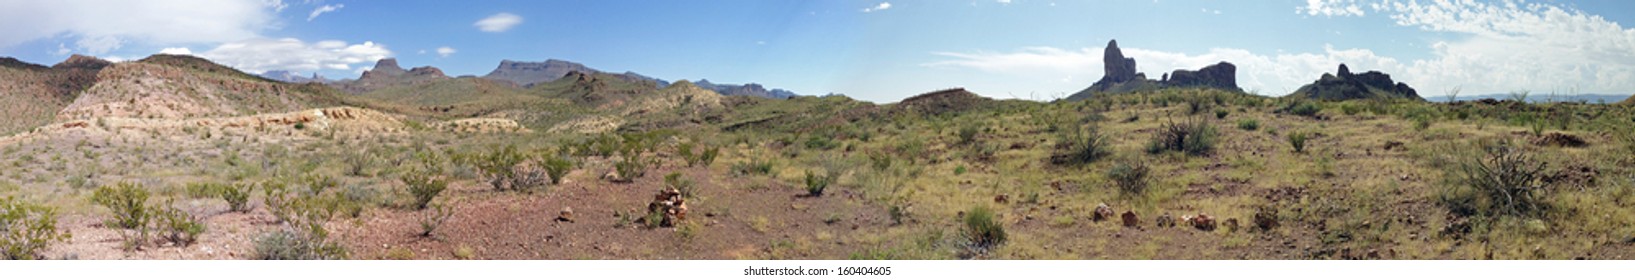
point(26, 229)
point(556, 167)
point(129, 203)
point(237, 195)
point(177, 226)
point(424, 187)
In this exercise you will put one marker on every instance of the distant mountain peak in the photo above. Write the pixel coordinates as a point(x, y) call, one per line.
point(388, 66)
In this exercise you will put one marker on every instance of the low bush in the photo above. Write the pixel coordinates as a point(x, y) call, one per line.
point(1307, 109)
point(982, 228)
point(1297, 140)
point(1079, 146)
point(237, 195)
point(424, 187)
point(629, 168)
point(816, 183)
point(129, 203)
point(1505, 181)
point(755, 166)
point(1194, 137)
point(295, 245)
point(557, 167)
point(26, 229)
point(1249, 124)
point(1130, 177)
point(177, 226)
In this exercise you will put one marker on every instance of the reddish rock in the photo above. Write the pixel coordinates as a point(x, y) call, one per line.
point(1130, 220)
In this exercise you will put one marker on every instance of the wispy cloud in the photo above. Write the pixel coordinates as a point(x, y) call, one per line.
point(445, 51)
point(1331, 8)
point(324, 9)
point(879, 7)
point(498, 22)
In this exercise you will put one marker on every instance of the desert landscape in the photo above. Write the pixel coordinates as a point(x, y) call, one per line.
point(176, 157)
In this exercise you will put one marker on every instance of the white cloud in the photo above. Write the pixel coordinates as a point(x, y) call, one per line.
point(1331, 8)
point(99, 27)
point(1003, 1)
point(445, 51)
point(324, 9)
point(498, 22)
point(879, 7)
point(182, 51)
point(261, 55)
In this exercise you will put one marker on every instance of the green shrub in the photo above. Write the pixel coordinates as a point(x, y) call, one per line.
point(424, 187)
point(1297, 140)
point(26, 229)
point(1249, 124)
point(557, 167)
point(1307, 109)
point(1194, 137)
point(177, 226)
point(685, 150)
point(967, 134)
point(629, 168)
point(1422, 122)
point(755, 166)
point(1130, 177)
point(982, 229)
point(236, 195)
point(709, 155)
point(816, 183)
point(203, 190)
point(503, 169)
point(129, 203)
point(1079, 146)
point(1220, 113)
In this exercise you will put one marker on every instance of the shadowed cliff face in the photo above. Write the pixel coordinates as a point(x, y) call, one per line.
point(1121, 76)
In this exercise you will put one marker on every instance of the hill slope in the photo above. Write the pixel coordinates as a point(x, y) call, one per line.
point(172, 86)
point(31, 94)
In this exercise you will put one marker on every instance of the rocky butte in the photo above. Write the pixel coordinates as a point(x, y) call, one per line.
point(1344, 85)
point(1121, 77)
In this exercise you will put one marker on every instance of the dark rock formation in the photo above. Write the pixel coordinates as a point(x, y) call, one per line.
point(1221, 75)
point(1118, 68)
point(525, 73)
point(387, 74)
point(751, 89)
point(1345, 85)
point(1121, 76)
point(388, 67)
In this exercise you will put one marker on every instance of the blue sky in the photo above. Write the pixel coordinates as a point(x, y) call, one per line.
point(873, 50)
